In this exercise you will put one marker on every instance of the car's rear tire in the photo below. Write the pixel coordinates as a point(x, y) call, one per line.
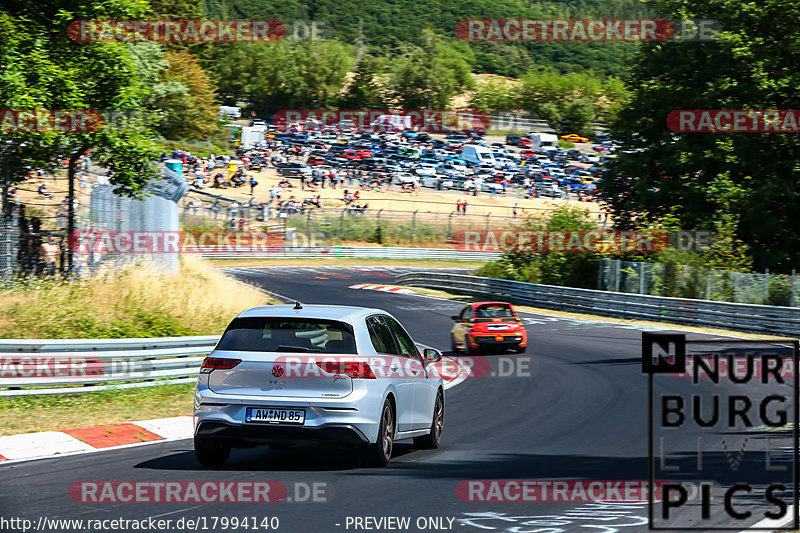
point(471, 350)
point(431, 440)
point(210, 451)
point(519, 349)
point(378, 454)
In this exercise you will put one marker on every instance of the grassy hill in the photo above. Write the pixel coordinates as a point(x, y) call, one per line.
point(389, 24)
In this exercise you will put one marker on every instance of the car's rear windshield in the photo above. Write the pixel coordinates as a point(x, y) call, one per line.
point(272, 334)
point(494, 311)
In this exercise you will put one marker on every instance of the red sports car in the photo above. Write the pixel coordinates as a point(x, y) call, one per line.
point(483, 325)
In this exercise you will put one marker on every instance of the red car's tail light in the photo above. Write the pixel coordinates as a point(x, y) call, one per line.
point(352, 369)
point(217, 363)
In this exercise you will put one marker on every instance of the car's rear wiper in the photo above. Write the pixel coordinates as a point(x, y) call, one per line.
point(287, 348)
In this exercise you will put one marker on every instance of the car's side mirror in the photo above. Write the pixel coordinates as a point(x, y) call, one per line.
point(455, 317)
point(432, 356)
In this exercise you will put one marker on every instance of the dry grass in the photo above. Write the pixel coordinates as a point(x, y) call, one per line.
point(28, 414)
point(139, 302)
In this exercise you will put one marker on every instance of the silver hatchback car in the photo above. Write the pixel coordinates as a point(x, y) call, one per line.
point(284, 374)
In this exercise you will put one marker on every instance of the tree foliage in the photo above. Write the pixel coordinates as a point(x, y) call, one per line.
point(430, 74)
point(40, 68)
point(746, 185)
point(389, 26)
point(282, 75)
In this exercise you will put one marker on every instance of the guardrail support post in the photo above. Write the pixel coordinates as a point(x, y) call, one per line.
point(641, 277)
point(766, 286)
point(450, 227)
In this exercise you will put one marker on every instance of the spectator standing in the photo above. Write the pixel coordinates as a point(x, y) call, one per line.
point(49, 252)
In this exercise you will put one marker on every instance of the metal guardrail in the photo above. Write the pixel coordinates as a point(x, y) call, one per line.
point(362, 252)
point(84, 365)
point(734, 316)
point(101, 363)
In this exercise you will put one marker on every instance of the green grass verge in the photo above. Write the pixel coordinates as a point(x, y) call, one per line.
point(53, 412)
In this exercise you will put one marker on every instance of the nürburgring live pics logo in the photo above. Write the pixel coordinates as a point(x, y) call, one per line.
point(722, 417)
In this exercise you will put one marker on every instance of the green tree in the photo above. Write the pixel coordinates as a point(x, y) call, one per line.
point(192, 112)
point(40, 68)
point(747, 66)
point(552, 268)
point(570, 101)
point(494, 95)
point(366, 90)
point(283, 75)
point(429, 75)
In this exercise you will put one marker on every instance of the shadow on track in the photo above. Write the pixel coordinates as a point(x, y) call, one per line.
point(491, 466)
point(264, 458)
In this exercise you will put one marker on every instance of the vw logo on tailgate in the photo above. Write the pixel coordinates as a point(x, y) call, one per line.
point(278, 371)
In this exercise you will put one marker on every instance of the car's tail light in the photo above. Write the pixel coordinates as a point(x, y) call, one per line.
point(217, 363)
point(352, 369)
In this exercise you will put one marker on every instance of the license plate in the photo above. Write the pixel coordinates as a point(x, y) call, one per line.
point(275, 416)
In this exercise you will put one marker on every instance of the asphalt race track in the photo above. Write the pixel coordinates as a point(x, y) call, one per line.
point(576, 409)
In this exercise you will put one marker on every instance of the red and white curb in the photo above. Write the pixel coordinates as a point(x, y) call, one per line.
point(81, 440)
point(383, 288)
point(45, 444)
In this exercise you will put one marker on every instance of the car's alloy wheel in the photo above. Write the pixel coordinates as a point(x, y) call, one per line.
point(380, 452)
point(210, 451)
point(432, 439)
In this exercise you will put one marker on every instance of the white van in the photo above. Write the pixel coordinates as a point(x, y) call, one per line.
point(542, 140)
point(253, 136)
point(477, 155)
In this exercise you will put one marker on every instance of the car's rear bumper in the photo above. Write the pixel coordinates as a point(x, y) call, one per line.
point(505, 340)
point(269, 433)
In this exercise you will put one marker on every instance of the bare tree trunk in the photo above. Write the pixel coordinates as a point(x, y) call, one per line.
point(73, 161)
